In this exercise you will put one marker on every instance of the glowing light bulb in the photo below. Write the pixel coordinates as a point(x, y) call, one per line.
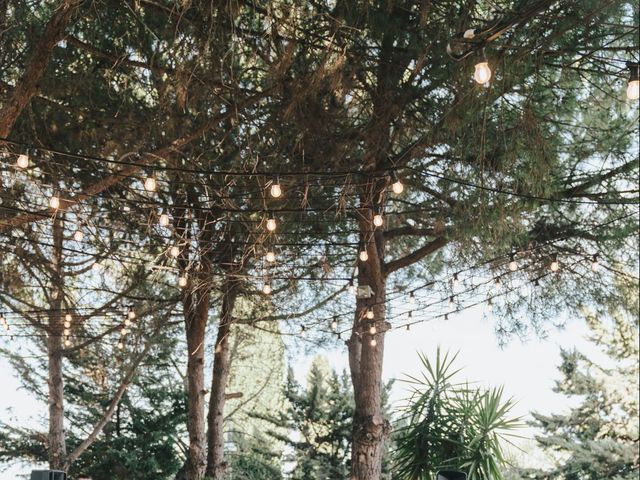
point(120, 345)
point(513, 265)
point(67, 324)
point(127, 322)
point(364, 256)
point(174, 251)
point(131, 314)
point(369, 313)
point(378, 221)
point(164, 220)
point(482, 73)
point(150, 184)
point(633, 89)
point(303, 331)
point(595, 266)
point(555, 266)
point(22, 161)
point(412, 298)
point(78, 236)
point(123, 331)
point(67, 317)
point(270, 257)
point(66, 331)
point(397, 187)
point(266, 289)
point(489, 304)
point(276, 189)
point(182, 281)
point(334, 324)
point(67, 342)
point(498, 283)
point(451, 301)
point(373, 342)
point(271, 224)
point(54, 202)
point(455, 282)
point(373, 330)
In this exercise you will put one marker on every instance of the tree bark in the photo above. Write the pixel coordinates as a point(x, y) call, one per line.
point(57, 451)
point(196, 311)
point(28, 85)
point(216, 466)
point(370, 428)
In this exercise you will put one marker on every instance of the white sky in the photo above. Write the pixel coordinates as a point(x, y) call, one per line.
point(526, 370)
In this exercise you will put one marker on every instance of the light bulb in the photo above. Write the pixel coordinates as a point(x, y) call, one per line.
point(489, 305)
point(78, 236)
point(67, 317)
point(498, 284)
point(482, 73)
point(54, 202)
point(408, 327)
point(164, 220)
point(66, 331)
point(67, 342)
point(276, 189)
point(373, 342)
point(270, 257)
point(271, 224)
point(266, 289)
point(174, 251)
point(351, 287)
point(131, 314)
point(451, 301)
point(120, 345)
point(23, 160)
point(364, 256)
point(369, 313)
point(150, 184)
point(373, 330)
point(455, 282)
point(412, 298)
point(67, 324)
point(123, 331)
point(595, 266)
point(397, 187)
point(127, 322)
point(96, 267)
point(555, 266)
point(633, 90)
point(513, 265)
point(378, 220)
point(182, 281)
point(334, 324)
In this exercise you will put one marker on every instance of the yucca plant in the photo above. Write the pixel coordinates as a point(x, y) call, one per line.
point(448, 425)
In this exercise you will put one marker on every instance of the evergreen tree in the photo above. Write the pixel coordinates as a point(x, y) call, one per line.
point(598, 438)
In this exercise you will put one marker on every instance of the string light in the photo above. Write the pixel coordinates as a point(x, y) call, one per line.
point(66, 332)
point(455, 282)
point(23, 160)
point(490, 304)
point(68, 317)
point(595, 265)
point(127, 322)
point(54, 202)
point(271, 224)
point(373, 342)
point(412, 298)
point(270, 256)
point(451, 301)
point(164, 220)
point(266, 288)
point(182, 281)
point(482, 72)
point(378, 221)
point(555, 265)
point(131, 314)
point(303, 331)
point(369, 313)
point(334, 324)
point(498, 283)
point(364, 255)
point(373, 330)
point(396, 187)
point(174, 251)
point(150, 184)
point(633, 87)
point(276, 189)
point(124, 331)
point(67, 342)
point(513, 265)
point(78, 236)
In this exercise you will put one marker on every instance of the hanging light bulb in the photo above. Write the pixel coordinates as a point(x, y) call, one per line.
point(369, 313)
point(4, 322)
point(555, 265)
point(633, 87)
point(513, 265)
point(378, 221)
point(97, 266)
point(351, 287)
point(446, 317)
point(364, 256)
point(66, 332)
point(150, 184)
point(408, 315)
point(397, 187)
point(54, 202)
point(270, 256)
point(303, 331)
point(373, 330)
point(67, 342)
point(67, 324)
point(408, 327)
point(334, 324)
point(164, 220)
point(498, 283)
point(68, 318)
point(595, 265)
point(482, 72)
point(451, 301)
point(174, 251)
point(120, 345)
point(412, 298)
point(489, 304)
point(123, 331)
point(276, 189)
point(266, 289)
point(182, 281)
point(455, 282)
point(373, 342)
point(78, 236)
point(127, 322)
point(23, 160)
point(131, 314)
point(271, 224)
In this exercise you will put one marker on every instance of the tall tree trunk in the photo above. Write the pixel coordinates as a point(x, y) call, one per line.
point(216, 466)
point(57, 451)
point(196, 311)
point(366, 352)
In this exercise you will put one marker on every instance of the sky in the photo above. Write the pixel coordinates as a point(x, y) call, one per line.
point(527, 370)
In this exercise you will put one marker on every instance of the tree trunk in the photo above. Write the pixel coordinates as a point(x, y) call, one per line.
point(57, 451)
point(370, 428)
point(196, 311)
point(216, 466)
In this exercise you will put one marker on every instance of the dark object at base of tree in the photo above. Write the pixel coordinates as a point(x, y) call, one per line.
point(48, 475)
point(451, 475)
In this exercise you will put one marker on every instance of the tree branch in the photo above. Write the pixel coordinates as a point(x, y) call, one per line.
point(415, 256)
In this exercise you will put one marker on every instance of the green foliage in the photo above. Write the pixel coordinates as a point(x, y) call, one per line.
point(447, 425)
point(598, 438)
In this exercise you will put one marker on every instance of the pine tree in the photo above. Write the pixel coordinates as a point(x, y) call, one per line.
point(598, 438)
